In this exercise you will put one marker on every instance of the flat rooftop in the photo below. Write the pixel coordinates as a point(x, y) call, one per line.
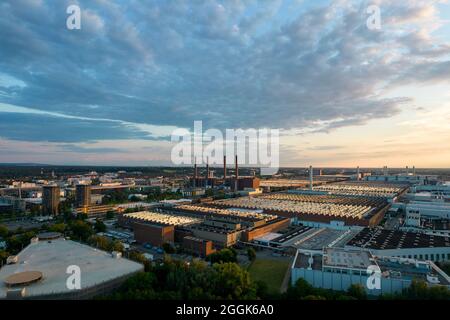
point(280, 183)
point(52, 258)
point(366, 188)
point(328, 198)
point(360, 260)
point(380, 239)
point(169, 219)
point(342, 258)
point(300, 207)
point(251, 215)
point(321, 238)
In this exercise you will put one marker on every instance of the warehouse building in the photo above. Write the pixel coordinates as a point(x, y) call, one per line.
point(338, 269)
point(155, 228)
point(386, 190)
point(317, 210)
point(411, 245)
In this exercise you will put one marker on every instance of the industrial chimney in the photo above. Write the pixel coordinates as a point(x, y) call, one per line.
point(237, 173)
point(357, 173)
point(310, 178)
point(414, 170)
point(224, 169)
point(407, 170)
point(207, 173)
point(195, 172)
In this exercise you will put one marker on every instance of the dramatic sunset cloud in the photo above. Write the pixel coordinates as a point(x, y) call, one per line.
point(340, 93)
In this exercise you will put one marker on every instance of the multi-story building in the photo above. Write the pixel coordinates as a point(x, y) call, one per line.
point(50, 199)
point(197, 246)
point(83, 195)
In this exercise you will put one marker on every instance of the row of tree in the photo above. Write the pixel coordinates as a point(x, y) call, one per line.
point(223, 278)
point(196, 280)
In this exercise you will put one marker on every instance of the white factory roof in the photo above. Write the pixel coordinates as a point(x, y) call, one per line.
point(330, 209)
point(52, 258)
point(344, 258)
point(137, 204)
point(162, 218)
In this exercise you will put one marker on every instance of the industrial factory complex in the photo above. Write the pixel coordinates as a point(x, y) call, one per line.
point(333, 226)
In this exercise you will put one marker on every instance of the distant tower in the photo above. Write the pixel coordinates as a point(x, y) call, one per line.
point(50, 199)
point(310, 178)
point(407, 170)
point(414, 170)
point(237, 173)
point(357, 173)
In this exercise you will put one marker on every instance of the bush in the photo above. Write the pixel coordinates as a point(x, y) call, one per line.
point(357, 291)
point(251, 253)
point(168, 248)
point(223, 256)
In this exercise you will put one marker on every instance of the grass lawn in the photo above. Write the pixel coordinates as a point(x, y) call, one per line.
point(270, 271)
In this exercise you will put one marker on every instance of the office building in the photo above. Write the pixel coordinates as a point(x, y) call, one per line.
point(83, 195)
point(50, 199)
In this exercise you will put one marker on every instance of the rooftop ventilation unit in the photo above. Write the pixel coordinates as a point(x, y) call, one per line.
point(12, 260)
point(16, 294)
point(116, 254)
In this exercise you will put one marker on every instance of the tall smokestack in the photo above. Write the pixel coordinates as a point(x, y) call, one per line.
point(224, 169)
point(207, 172)
point(357, 173)
point(407, 170)
point(237, 173)
point(195, 172)
point(310, 178)
point(414, 170)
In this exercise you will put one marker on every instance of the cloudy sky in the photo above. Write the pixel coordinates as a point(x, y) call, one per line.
point(113, 91)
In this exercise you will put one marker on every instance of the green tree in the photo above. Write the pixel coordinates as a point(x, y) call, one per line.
point(101, 242)
point(357, 291)
point(168, 248)
point(3, 256)
point(419, 290)
point(262, 290)
point(81, 230)
point(314, 297)
point(110, 215)
point(116, 245)
point(3, 231)
point(99, 226)
point(17, 242)
point(58, 227)
point(300, 290)
point(233, 282)
point(224, 255)
point(251, 253)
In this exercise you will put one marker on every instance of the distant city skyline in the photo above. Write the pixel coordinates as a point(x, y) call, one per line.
point(112, 93)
